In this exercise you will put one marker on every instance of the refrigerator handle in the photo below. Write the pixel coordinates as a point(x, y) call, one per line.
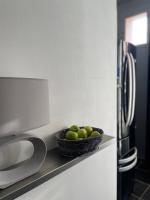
point(134, 88)
point(129, 63)
point(128, 167)
point(130, 158)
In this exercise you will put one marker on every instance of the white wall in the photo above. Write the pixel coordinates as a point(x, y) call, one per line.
point(73, 44)
point(95, 182)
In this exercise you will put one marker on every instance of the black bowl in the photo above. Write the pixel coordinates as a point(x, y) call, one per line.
point(73, 148)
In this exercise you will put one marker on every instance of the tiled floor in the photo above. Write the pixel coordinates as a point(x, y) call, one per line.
point(141, 191)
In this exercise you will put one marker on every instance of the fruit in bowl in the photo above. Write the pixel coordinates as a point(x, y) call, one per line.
point(74, 128)
point(95, 134)
point(77, 133)
point(76, 140)
point(71, 135)
point(82, 133)
point(89, 130)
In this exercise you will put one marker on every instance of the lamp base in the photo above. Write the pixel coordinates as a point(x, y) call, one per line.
point(28, 167)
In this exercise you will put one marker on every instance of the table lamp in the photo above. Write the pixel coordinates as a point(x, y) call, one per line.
point(24, 105)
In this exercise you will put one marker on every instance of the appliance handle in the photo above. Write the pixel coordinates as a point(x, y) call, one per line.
point(134, 88)
point(124, 88)
point(130, 90)
point(130, 158)
point(119, 88)
point(129, 167)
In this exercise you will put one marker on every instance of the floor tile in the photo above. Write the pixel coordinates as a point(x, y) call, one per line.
point(139, 188)
point(132, 197)
point(147, 195)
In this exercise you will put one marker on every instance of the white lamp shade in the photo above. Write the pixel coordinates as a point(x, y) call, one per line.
point(24, 104)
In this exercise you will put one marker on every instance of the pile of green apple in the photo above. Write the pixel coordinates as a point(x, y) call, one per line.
point(77, 133)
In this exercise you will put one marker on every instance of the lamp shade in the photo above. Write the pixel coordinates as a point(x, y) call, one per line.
point(24, 104)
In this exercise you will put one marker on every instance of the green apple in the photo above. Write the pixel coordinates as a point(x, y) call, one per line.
point(82, 133)
point(71, 135)
point(95, 134)
point(74, 128)
point(89, 130)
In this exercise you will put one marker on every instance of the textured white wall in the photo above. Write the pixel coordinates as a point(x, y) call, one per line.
point(71, 43)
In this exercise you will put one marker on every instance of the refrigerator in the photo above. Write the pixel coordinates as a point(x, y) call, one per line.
point(126, 102)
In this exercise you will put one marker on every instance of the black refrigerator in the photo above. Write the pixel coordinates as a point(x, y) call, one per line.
point(126, 102)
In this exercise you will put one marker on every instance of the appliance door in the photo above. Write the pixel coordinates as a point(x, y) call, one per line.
point(125, 175)
point(128, 93)
point(125, 185)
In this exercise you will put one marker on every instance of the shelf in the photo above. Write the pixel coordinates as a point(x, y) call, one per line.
point(54, 164)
